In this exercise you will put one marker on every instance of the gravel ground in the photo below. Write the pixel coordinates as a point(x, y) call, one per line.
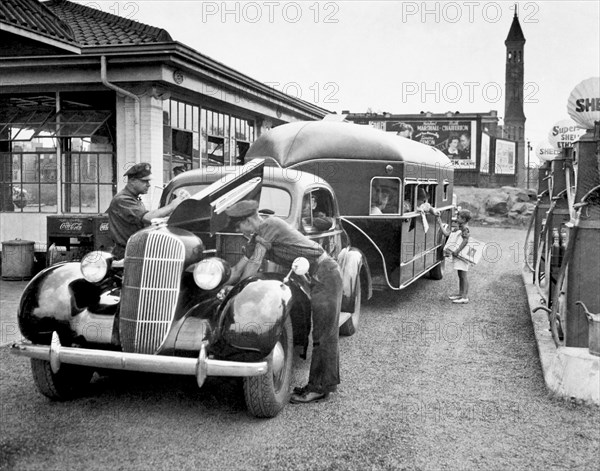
point(425, 385)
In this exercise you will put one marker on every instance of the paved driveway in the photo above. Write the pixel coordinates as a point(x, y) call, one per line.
point(10, 292)
point(425, 385)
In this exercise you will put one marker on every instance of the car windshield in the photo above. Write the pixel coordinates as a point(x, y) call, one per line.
point(274, 199)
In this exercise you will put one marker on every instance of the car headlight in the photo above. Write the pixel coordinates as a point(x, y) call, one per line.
point(95, 265)
point(211, 272)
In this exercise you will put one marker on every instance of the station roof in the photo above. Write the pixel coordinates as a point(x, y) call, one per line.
point(294, 143)
point(86, 32)
point(32, 19)
point(92, 27)
point(75, 24)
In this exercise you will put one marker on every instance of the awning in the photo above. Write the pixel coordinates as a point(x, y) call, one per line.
point(45, 122)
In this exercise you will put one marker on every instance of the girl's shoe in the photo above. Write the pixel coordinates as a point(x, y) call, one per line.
point(454, 296)
point(461, 301)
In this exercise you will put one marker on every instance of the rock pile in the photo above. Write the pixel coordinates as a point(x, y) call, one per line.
point(497, 206)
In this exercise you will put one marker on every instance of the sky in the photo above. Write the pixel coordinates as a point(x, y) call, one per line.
point(391, 56)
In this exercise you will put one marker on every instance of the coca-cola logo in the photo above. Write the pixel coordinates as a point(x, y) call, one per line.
point(70, 226)
point(104, 226)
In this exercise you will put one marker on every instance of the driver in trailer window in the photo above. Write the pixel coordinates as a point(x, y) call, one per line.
point(380, 197)
point(312, 216)
point(384, 196)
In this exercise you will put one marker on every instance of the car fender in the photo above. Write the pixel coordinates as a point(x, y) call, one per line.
point(197, 326)
point(253, 317)
point(46, 304)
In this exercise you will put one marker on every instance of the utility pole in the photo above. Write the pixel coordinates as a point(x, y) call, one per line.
point(528, 163)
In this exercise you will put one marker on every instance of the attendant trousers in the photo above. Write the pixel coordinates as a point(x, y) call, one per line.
point(326, 302)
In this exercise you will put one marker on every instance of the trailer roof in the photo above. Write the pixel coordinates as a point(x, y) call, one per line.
point(293, 143)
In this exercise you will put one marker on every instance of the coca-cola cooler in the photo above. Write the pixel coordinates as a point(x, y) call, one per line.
point(70, 237)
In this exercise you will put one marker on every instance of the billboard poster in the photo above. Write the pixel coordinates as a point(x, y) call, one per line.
point(377, 125)
point(484, 166)
point(505, 156)
point(455, 138)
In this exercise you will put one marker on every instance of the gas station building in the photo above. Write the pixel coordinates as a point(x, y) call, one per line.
point(86, 94)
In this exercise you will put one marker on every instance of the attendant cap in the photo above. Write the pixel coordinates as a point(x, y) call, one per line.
point(242, 209)
point(141, 171)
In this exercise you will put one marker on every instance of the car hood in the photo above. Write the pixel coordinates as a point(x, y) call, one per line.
point(209, 205)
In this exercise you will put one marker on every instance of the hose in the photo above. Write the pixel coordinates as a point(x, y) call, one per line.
point(531, 221)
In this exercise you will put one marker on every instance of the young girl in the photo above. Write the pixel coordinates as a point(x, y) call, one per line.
point(461, 266)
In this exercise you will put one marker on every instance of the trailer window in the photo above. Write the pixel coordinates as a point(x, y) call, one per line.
point(446, 186)
point(385, 196)
point(408, 204)
point(432, 192)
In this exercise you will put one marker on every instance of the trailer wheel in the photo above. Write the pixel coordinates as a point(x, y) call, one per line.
point(266, 395)
point(351, 325)
point(70, 382)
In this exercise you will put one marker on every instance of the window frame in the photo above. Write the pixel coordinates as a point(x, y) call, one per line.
point(398, 201)
point(327, 202)
point(430, 185)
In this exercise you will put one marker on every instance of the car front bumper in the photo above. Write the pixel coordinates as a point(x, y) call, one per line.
point(200, 367)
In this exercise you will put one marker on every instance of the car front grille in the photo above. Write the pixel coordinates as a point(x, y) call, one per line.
point(151, 280)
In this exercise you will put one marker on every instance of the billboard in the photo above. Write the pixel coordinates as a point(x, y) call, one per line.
point(505, 156)
point(484, 165)
point(455, 138)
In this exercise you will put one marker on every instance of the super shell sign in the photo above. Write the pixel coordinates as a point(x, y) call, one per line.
point(584, 103)
point(564, 133)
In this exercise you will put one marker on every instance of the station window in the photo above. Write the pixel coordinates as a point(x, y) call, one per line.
point(181, 143)
point(29, 181)
point(242, 135)
point(88, 178)
point(36, 141)
point(317, 211)
point(446, 188)
point(384, 196)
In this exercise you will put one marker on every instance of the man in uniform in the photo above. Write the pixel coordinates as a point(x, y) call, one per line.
point(275, 239)
point(127, 214)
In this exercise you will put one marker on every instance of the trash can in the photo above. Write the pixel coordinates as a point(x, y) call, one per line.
point(17, 259)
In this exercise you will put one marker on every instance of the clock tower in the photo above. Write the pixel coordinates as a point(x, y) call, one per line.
point(514, 117)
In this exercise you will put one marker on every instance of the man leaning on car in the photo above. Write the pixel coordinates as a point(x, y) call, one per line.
point(127, 214)
point(273, 238)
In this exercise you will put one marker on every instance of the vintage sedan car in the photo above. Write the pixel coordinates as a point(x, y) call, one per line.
point(165, 308)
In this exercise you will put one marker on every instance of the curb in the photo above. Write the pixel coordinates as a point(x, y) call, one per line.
point(571, 373)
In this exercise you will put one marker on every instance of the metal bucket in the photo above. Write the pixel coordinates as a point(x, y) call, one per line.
point(17, 259)
point(593, 330)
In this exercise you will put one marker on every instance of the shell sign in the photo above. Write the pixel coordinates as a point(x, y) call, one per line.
point(584, 103)
point(564, 133)
point(545, 151)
